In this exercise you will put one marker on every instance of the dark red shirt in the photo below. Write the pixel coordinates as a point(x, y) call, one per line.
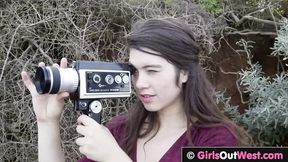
point(212, 136)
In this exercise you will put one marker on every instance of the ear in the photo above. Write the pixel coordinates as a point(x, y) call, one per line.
point(183, 76)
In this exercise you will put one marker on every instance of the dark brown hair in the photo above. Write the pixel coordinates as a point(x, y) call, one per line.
point(174, 40)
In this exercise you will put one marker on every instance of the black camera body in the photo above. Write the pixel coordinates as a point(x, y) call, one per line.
point(86, 82)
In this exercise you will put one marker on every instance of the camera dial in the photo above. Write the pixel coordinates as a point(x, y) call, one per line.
point(96, 106)
point(96, 78)
point(118, 79)
point(109, 79)
point(126, 79)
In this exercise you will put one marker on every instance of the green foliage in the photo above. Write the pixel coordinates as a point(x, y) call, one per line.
point(169, 3)
point(213, 6)
point(266, 118)
point(231, 111)
point(39, 30)
point(280, 9)
point(281, 44)
point(257, 3)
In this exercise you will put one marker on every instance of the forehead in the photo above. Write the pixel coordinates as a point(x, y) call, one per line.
point(140, 59)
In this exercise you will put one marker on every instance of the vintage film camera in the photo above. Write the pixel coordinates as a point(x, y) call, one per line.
point(87, 82)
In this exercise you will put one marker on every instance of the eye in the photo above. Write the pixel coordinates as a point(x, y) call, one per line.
point(132, 69)
point(152, 71)
point(135, 73)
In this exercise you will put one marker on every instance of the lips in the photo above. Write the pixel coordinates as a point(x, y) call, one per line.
point(146, 98)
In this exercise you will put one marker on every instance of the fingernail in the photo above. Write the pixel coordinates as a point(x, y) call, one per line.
point(23, 76)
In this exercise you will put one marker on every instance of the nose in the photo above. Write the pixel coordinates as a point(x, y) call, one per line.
point(141, 81)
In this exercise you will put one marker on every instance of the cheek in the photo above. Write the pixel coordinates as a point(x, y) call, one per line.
point(166, 84)
point(167, 93)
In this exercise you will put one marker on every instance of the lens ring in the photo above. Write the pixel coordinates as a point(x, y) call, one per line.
point(42, 80)
point(56, 80)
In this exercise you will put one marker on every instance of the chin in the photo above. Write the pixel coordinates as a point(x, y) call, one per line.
point(151, 108)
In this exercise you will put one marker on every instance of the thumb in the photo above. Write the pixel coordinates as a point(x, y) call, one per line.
point(62, 95)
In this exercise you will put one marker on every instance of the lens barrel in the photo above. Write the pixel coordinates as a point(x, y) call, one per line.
point(53, 80)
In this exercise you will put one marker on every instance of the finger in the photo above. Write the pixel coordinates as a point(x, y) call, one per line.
point(55, 65)
point(41, 64)
point(81, 130)
point(87, 121)
point(28, 83)
point(83, 150)
point(63, 63)
point(62, 95)
point(80, 141)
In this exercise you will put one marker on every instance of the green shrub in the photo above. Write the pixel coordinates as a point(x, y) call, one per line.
point(47, 30)
point(266, 118)
point(213, 6)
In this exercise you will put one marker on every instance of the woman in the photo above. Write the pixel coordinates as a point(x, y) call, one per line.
point(176, 108)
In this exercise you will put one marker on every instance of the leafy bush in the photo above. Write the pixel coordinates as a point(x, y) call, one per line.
point(213, 6)
point(47, 30)
point(266, 118)
point(281, 44)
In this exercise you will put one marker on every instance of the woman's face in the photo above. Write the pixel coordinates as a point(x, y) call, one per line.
point(155, 81)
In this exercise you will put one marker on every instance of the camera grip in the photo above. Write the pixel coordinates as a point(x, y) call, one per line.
point(95, 116)
point(91, 108)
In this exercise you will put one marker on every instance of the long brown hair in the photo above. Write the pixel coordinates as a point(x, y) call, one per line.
point(174, 40)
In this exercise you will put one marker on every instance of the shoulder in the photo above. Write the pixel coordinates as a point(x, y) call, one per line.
point(219, 135)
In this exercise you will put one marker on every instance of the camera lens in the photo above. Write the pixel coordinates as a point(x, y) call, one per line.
point(53, 80)
point(42, 80)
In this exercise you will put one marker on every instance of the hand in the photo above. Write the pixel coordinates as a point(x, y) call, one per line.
point(47, 107)
point(97, 142)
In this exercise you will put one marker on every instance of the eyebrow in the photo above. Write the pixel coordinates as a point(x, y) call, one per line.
point(149, 66)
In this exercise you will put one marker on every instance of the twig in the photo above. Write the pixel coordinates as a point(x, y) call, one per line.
point(240, 92)
point(250, 32)
point(85, 29)
point(38, 14)
point(236, 19)
point(237, 85)
point(8, 51)
point(248, 17)
point(42, 51)
point(230, 73)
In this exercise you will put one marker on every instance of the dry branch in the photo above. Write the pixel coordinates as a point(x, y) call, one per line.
point(250, 32)
point(32, 31)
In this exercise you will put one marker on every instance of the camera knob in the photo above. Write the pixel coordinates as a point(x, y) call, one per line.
point(109, 79)
point(118, 79)
point(96, 78)
point(95, 107)
point(125, 79)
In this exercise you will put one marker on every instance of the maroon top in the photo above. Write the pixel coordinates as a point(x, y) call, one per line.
point(215, 136)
